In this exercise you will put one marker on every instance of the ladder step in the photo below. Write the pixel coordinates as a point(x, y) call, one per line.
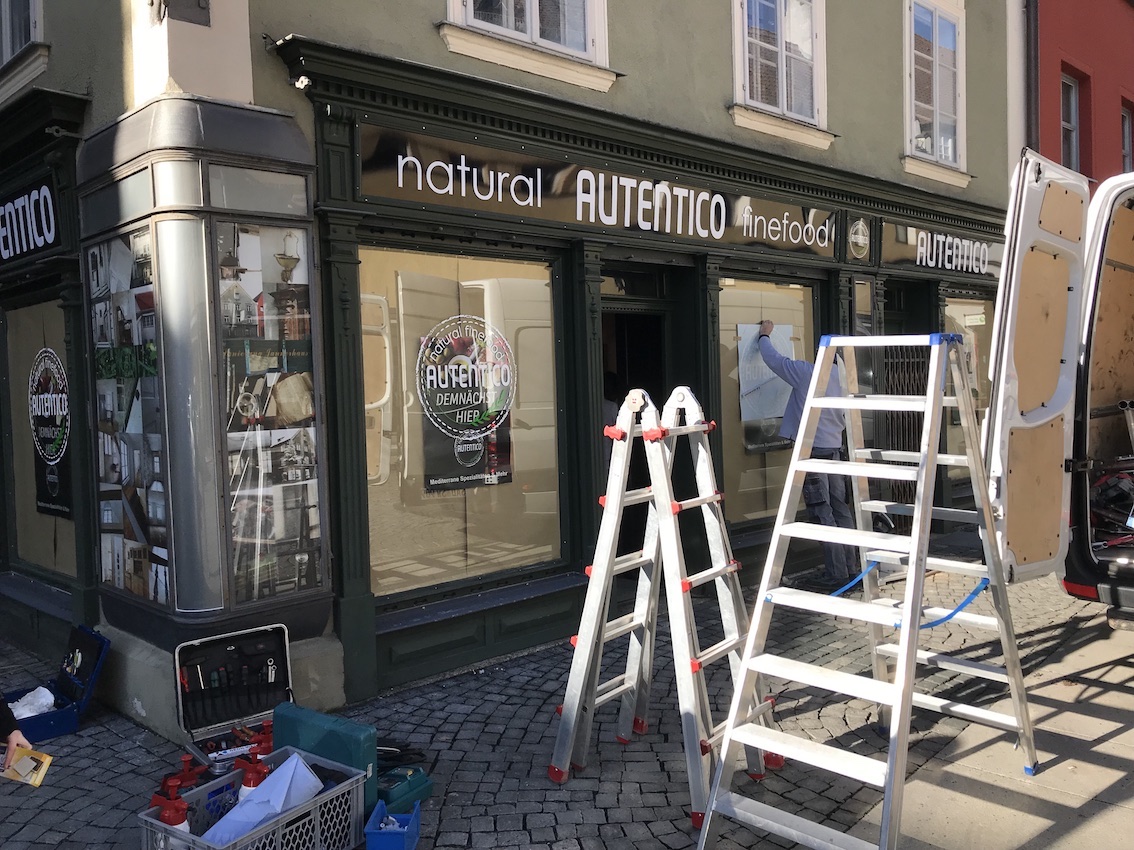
point(906, 403)
point(626, 563)
point(711, 574)
point(895, 456)
point(613, 688)
point(718, 651)
point(835, 759)
point(931, 658)
point(887, 471)
point(836, 681)
point(889, 543)
point(621, 626)
point(851, 609)
point(972, 713)
point(883, 341)
point(961, 618)
point(766, 818)
point(880, 506)
point(973, 569)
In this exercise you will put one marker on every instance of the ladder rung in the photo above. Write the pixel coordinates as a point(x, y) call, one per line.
point(681, 430)
point(883, 341)
point(931, 658)
point(906, 403)
point(995, 719)
point(620, 626)
point(613, 688)
point(973, 569)
point(835, 759)
point(895, 456)
point(888, 471)
point(766, 818)
point(706, 576)
point(852, 609)
point(880, 506)
point(961, 618)
point(718, 651)
point(898, 543)
point(836, 681)
point(627, 562)
point(696, 502)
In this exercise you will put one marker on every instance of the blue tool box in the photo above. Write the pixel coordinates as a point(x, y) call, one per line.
point(72, 687)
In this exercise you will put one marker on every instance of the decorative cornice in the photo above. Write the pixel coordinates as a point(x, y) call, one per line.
point(409, 92)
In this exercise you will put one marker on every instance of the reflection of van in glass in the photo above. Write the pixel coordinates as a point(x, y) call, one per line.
point(1062, 407)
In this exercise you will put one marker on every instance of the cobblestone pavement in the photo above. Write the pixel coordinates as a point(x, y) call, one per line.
point(489, 734)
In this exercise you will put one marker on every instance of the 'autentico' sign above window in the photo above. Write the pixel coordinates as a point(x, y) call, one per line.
point(28, 224)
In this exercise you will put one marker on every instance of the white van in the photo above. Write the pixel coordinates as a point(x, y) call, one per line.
point(1061, 453)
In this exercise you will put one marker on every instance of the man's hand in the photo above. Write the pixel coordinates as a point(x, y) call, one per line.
point(16, 739)
point(766, 327)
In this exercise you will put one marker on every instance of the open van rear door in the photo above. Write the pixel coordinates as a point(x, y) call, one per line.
point(1033, 366)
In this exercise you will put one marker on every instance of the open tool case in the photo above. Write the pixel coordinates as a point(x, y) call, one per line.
point(227, 686)
point(72, 687)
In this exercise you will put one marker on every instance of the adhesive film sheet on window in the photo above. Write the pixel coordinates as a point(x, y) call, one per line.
point(130, 450)
point(269, 409)
point(460, 412)
point(753, 399)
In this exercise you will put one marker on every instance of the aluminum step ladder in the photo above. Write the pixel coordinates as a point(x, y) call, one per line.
point(661, 560)
point(895, 627)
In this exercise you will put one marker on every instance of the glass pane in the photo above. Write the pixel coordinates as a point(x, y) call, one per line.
point(947, 139)
point(1070, 149)
point(461, 427)
point(262, 191)
point(269, 410)
point(974, 320)
point(130, 452)
point(765, 84)
point(947, 91)
point(502, 13)
point(800, 88)
point(946, 43)
point(798, 29)
point(763, 22)
point(755, 458)
point(923, 30)
point(1069, 107)
point(564, 22)
point(18, 25)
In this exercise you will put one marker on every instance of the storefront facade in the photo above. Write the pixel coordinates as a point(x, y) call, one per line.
point(488, 257)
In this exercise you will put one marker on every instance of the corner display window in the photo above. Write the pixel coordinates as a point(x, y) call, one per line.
point(269, 410)
point(459, 366)
point(129, 451)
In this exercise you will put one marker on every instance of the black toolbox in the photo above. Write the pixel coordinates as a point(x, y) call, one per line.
point(227, 686)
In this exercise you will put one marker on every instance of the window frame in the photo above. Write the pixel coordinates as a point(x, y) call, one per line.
point(954, 12)
point(1127, 120)
point(818, 66)
point(462, 13)
point(1068, 83)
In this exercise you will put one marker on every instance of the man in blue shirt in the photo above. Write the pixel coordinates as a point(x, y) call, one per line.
point(825, 495)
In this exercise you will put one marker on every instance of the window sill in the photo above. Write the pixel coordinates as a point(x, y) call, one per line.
point(932, 171)
point(525, 57)
point(24, 67)
point(781, 128)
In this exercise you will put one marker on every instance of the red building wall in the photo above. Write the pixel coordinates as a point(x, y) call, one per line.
point(1093, 41)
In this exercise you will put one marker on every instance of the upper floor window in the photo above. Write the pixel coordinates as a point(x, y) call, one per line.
point(783, 66)
point(1069, 112)
point(570, 35)
point(936, 72)
point(18, 26)
point(1127, 139)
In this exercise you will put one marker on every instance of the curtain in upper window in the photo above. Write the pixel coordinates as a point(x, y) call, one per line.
point(935, 94)
point(560, 22)
point(781, 60)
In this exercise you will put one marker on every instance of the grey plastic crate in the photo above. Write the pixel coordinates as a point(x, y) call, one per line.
point(332, 820)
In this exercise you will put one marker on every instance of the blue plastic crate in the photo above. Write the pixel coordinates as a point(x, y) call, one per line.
point(404, 837)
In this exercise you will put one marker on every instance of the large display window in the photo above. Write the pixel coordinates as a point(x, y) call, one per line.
point(754, 457)
point(462, 445)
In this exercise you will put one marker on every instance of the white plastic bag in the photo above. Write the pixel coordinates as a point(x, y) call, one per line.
point(289, 785)
point(33, 702)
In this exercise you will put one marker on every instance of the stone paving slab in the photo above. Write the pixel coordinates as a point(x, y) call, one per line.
point(489, 733)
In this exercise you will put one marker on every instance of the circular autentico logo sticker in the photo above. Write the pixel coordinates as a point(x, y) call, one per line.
point(48, 406)
point(466, 377)
point(858, 239)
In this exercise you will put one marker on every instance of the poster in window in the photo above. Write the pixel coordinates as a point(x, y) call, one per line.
point(763, 395)
point(270, 412)
point(129, 449)
point(49, 413)
point(466, 381)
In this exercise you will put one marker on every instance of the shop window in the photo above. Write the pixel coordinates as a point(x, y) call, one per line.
point(270, 412)
point(569, 37)
point(754, 457)
point(133, 533)
point(461, 428)
point(935, 75)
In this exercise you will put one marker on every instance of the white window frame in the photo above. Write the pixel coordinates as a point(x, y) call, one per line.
point(916, 160)
point(1127, 138)
point(772, 120)
point(1068, 84)
point(465, 35)
point(16, 75)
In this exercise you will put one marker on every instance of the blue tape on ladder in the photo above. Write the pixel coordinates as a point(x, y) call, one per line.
point(981, 585)
point(871, 565)
point(937, 338)
point(825, 340)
